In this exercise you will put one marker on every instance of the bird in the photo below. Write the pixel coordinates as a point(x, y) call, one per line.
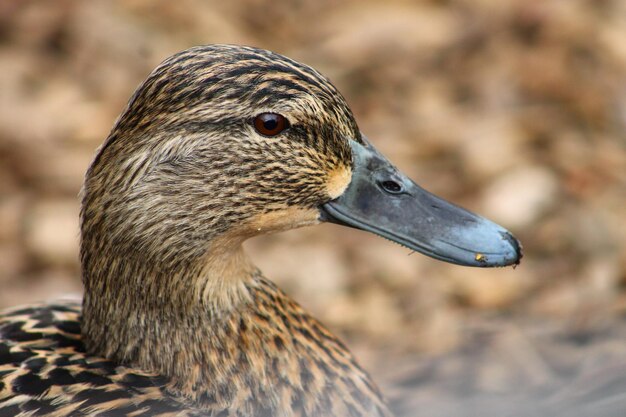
point(219, 144)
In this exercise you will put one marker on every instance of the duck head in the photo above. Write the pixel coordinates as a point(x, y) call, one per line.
point(222, 143)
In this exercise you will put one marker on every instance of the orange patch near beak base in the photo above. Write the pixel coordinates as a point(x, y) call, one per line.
point(338, 181)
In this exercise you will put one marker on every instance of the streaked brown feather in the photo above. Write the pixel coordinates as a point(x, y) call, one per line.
point(175, 319)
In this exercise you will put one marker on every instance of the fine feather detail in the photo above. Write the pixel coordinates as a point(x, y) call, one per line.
point(175, 321)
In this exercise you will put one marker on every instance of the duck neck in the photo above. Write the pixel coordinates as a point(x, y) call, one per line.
point(223, 336)
point(158, 318)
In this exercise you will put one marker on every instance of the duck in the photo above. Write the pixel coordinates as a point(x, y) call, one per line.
point(219, 144)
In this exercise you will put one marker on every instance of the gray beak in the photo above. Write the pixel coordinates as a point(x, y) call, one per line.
point(382, 200)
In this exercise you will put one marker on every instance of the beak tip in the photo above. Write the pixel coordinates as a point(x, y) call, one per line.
point(511, 253)
point(486, 245)
point(516, 245)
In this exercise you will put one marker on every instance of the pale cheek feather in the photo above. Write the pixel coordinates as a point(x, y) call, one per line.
point(280, 220)
point(338, 181)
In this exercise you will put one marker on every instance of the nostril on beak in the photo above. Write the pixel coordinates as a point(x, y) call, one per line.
point(392, 187)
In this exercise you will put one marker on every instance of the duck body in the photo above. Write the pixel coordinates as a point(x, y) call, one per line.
point(45, 371)
point(220, 143)
point(277, 360)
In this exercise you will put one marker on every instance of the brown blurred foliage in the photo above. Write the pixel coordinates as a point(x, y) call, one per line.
point(515, 109)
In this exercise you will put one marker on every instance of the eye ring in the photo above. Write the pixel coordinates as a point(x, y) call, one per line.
point(270, 124)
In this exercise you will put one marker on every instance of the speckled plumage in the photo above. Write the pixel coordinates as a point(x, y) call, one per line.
point(45, 370)
point(175, 319)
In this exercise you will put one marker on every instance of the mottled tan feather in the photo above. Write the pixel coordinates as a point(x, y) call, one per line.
point(175, 318)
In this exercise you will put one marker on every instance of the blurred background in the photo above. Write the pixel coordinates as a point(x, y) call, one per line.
point(515, 109)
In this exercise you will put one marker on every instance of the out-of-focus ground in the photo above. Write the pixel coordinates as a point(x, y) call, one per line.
point(515, 109)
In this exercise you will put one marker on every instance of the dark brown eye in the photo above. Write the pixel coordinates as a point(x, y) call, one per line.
point(270, 124)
